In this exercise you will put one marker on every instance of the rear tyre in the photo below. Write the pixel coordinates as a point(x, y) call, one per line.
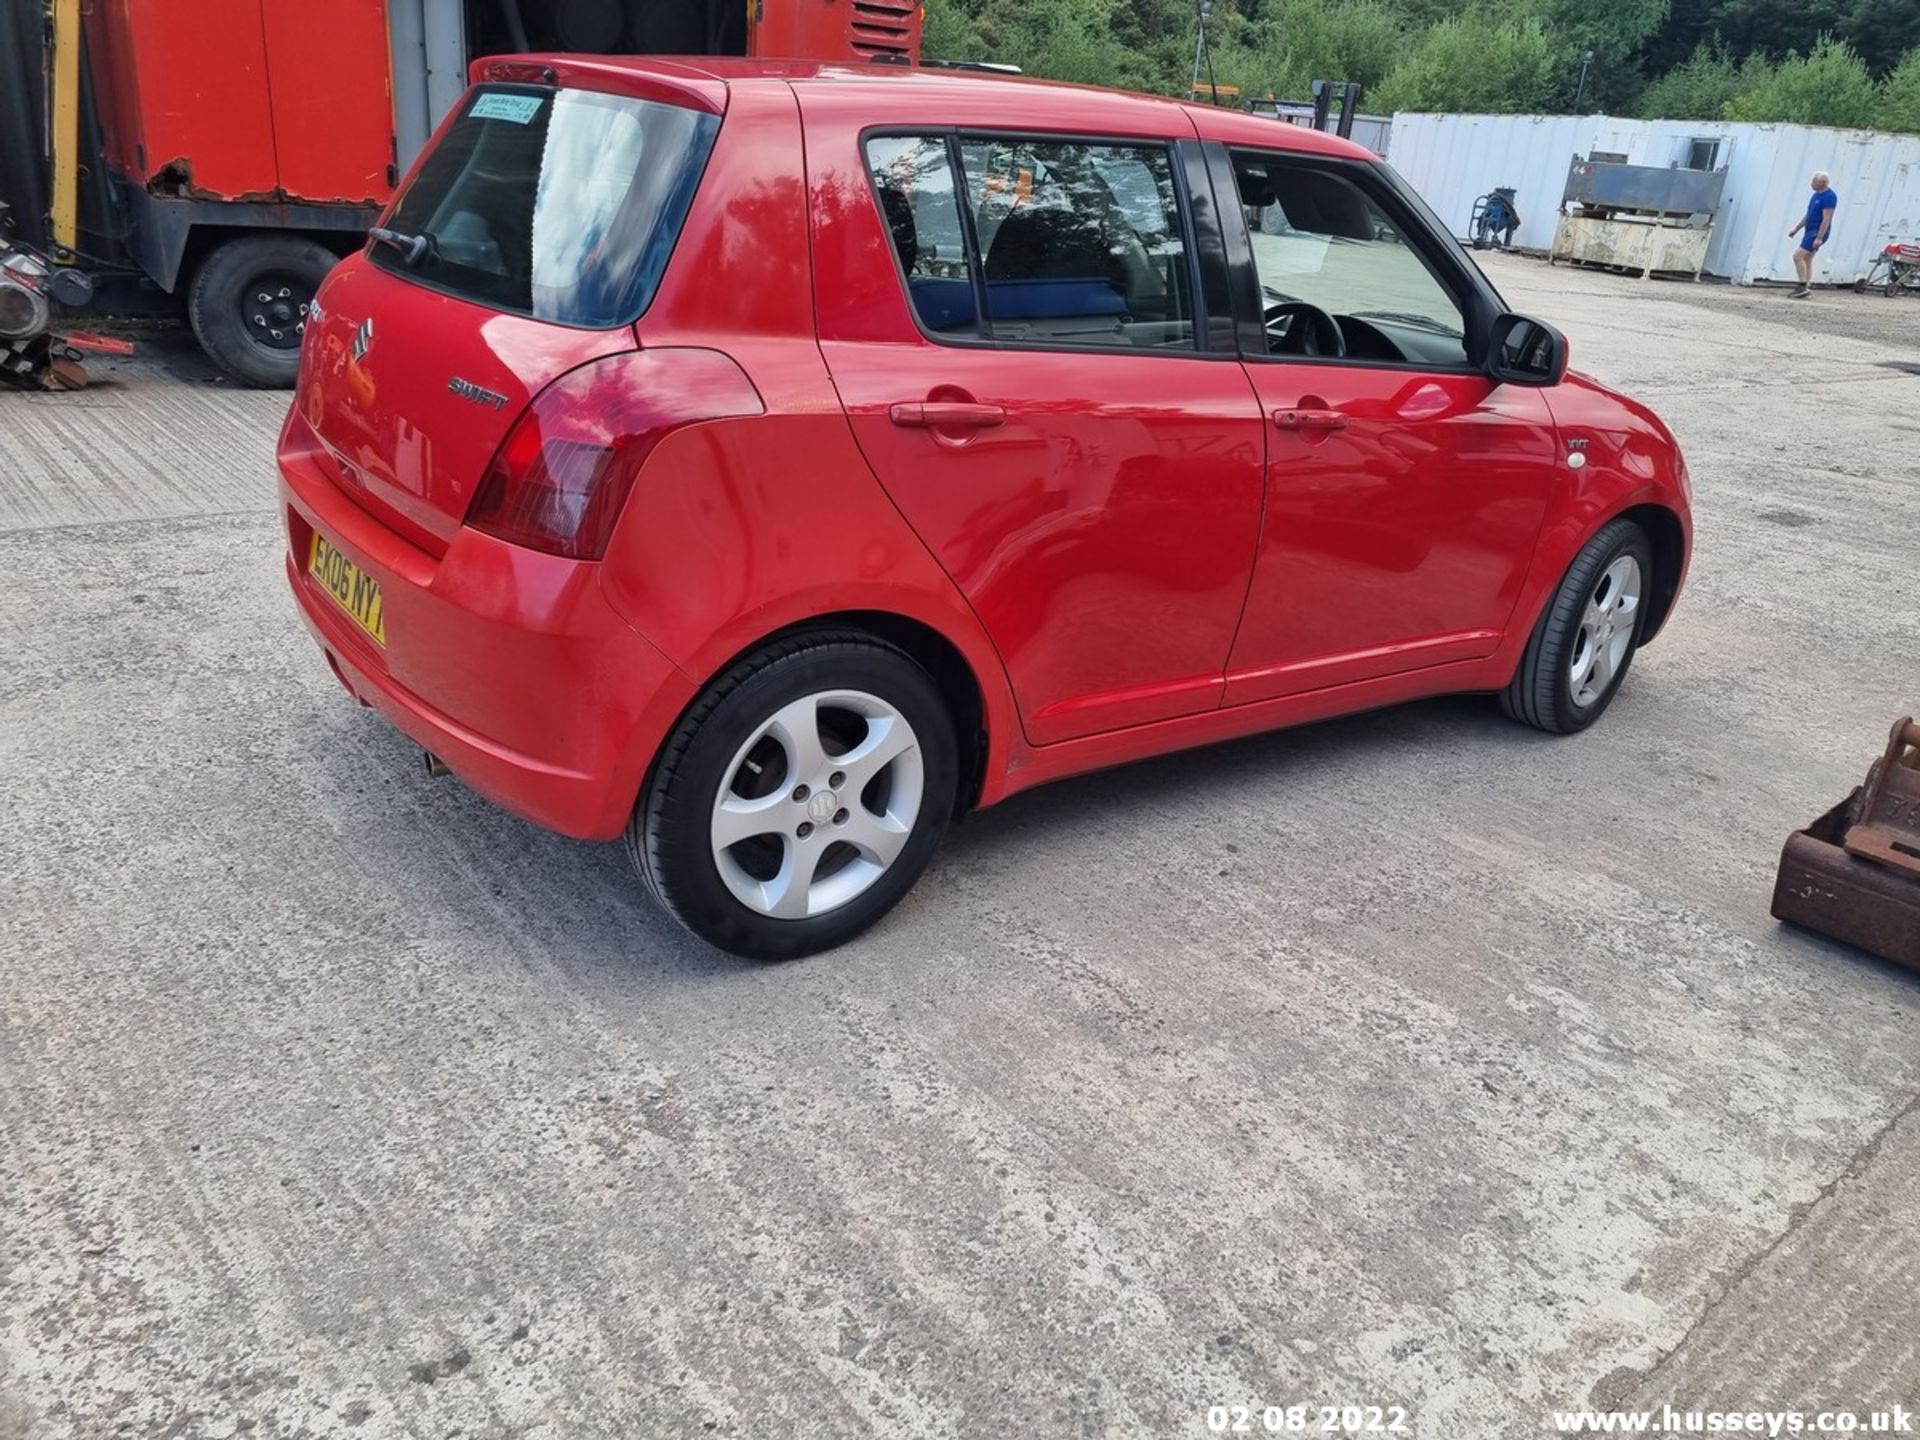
point(1585, 640)
point(249, 301)
point(800, 798)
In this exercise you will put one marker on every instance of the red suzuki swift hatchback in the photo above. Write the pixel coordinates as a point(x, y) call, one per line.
point(769, 461)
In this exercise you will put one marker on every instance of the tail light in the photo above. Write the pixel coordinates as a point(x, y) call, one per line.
point(562, 476)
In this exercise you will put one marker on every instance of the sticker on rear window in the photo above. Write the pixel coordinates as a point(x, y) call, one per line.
point(517, 108)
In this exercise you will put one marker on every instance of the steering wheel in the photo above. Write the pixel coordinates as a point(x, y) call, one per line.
point(1296, 328)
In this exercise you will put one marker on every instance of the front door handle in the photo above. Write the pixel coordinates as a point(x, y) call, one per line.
point(1310, 419)
point(947, 415)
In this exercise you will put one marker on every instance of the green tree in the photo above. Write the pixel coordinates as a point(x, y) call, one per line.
point(1060, 39)
point(1156, 40)
point(1693, 59)
point(1776, 27)
point(1478, 61)
point(1827, 86)
point(1614, 31)
point(1285, 46)
point(1420, 15)
point(1688, 26)
point(1883, 31)
point(1900, 95)
point(1700, 86)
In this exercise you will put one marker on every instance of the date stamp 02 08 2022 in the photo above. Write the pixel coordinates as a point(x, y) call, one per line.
point(1307, 1419)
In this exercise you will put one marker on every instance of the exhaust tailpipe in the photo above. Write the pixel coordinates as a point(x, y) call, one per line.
point(436, 767)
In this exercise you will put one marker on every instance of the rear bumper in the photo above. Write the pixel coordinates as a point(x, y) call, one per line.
point(507, 664)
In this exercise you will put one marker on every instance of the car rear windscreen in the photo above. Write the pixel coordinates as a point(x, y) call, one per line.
point(559, 204)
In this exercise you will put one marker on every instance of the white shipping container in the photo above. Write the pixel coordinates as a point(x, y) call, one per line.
point(1452, 160)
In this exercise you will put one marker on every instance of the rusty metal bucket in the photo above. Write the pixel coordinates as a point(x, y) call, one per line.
point(1854, 874)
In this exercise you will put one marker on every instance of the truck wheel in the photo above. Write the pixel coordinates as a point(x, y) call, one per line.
point(249, 301)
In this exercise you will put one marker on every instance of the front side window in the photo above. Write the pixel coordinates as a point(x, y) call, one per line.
point(1073, 244)
point(1321, 244)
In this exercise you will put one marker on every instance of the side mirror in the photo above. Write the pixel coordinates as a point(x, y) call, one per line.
point(1524, 351)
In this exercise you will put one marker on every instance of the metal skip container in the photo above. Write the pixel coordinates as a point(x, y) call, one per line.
point(1637, 217)
point(1854, 873)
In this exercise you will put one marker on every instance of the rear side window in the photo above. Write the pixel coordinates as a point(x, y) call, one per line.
point(1056, 243)
point(559, 204)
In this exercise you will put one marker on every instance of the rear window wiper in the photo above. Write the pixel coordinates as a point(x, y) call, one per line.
point(413, 248)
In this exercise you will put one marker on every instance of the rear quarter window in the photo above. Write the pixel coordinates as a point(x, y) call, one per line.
point(559, 204)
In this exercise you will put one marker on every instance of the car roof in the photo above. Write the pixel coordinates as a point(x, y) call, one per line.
point(910, 94)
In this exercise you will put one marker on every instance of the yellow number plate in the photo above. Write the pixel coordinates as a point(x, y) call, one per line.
point(356, 591)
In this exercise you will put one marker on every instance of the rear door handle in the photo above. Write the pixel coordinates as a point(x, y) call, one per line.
point(947, 414)
point(1310, 419)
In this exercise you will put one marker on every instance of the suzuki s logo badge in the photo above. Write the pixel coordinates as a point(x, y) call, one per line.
point(479, 394)
point(363, 339)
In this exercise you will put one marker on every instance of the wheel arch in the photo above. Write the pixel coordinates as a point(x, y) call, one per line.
point(978, 731)
point(941, 658)
point(1669, 540)
point(1601, 500)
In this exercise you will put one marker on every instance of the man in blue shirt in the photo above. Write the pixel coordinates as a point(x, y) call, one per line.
point(1813, 229)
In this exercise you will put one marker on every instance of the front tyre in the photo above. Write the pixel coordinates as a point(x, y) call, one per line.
point(800, 798)
point(1586, 638)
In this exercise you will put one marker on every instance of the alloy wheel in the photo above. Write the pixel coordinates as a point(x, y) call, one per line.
point(1607, 630)
point(817, 804)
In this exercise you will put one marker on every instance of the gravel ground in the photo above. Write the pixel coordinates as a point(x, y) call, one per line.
point(1412, 1059)
point(1889, 320)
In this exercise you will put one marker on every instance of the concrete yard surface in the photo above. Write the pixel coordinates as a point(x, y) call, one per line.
point(1413, 1060)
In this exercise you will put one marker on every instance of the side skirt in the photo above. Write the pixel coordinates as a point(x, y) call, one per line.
point(1029, 766)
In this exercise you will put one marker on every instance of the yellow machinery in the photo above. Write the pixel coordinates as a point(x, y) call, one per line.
point(65, 200)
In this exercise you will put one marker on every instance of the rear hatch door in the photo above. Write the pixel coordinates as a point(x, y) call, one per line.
point(530, 237)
